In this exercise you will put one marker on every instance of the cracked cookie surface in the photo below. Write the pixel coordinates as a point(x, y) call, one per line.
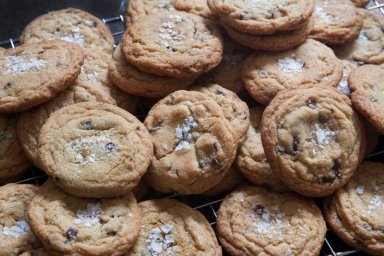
point(313, 139)
point(94, 149)
point(194, 144)
point(69, 225)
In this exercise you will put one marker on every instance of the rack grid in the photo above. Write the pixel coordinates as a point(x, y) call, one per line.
point(209, 206)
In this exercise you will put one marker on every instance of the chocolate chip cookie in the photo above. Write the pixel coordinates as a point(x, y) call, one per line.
point(94, 149)
point(69, 225)
point(34, 73)
point(253, 221)
point(265, 74)
point(198, 7)
point(177, 44)
point(173, 228)
point(36, 252)
point(15, 233)
point(139, 8)
point(194, 144)
point(348, 67)
point(313, 139)
point(72, 25)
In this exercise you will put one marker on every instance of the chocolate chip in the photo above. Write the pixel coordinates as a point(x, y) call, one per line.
point(8, 85)
point(323, 118)
point(170, 49)
point(312, 103)
point(111, 233)
point(241, 16)
point(296, 143)
point(110, 147)
point(259, 209)
point(336, 168)
point(41, 52)
point(220, 92)
point(328, 180)
point(71, 234)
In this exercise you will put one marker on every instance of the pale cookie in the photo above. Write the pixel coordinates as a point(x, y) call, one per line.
point(139, 8)
point(15, 234)
point(94, 149)
point(173, 228)
point(265, 74)
point(230, 180)
point(68, 225)
point(72, 25)
point(34, 73)
point(262, 17)
point(313, 139)
point(234, 109)
point(198, 7)
point(177, 44)
point(251, 159)
point(343, 86)
point(253, 221)
point(36, 252)
point(194, 144)
point(131, 80)
point(355, 212)
point(31, 121)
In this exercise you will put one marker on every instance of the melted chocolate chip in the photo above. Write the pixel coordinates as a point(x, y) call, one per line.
point(71, 234)
point(312, 103)
point(296, 143)
point(220, 92)
point(111, 233)
point(259, 209)
point(241, 16)
point(328, 180)
point(323, 118)
point(110, 147)
point(170, 49)
point(8, 85)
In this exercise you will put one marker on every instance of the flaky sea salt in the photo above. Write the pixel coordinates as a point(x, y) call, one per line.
point(76, 38)
point(289, 65)
point(319, 11)
point(20, 228)
point(322, 137)
point(90, 216)
point(375, 202)
point(360, 190)
point(16, 65)
point(344, 87)
point(184, 133)
point(161, 241)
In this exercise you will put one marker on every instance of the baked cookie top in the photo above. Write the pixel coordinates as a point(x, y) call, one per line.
point(72, 25)
point(312, 138)
point(69, 225)
point(15, 233)
point(173, 228)
point(36, 252)
point(262, 17)
point(254, 221)
point(176, 44)
point(198, 7)
point(34, 73)
point(139, 8)
point(194, 144)
point(94, 149)
point(265, 74)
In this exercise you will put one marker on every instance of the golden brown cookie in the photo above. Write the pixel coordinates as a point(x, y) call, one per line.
point(230, 180)
point(34, 73)
point(312, 139)
point(138, 8)
point(69, 225)
point(72, 25)
point(94, 149)
point(36, 252)
point(194, 145)
point(173, 228)
point(253, 221)
point(198, 7)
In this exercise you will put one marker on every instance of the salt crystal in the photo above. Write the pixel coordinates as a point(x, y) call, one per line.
point(363, 36)
point(374, 203)
point(319, 11)
point(290, 65)
point(183, 133)
point(90, 216)
point(344, 87)
point(360, 190)
point(18, 65)
point(20, 228)
point(166, 228)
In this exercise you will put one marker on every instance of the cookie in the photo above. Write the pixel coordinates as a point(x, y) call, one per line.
point(194, 144)
point(177, 44)
point(278, 41)
point(131, 80)
point(366, 84)
point(72, 25)
point(173, 228)
point(368, 47)
point(355, 212)
point(13, 161)
point(234, 109)
point(360, 3)
point(348, 67)
point(336, 22)
point(15, 233)
point(265, 74)
point(312, 139)
point(251, 160)
point(68, 225)
point(34, 73)
point(87, 142)
point(262, 17)
point(253, 221)
point(139, 8)
point(36, 252)
point(31, 121)
point(230, 180)
point(198, 7)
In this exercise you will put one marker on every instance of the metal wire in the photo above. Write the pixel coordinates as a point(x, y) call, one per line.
point(209, 206)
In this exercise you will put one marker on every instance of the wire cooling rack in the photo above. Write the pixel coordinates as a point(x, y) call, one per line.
point(209, 206)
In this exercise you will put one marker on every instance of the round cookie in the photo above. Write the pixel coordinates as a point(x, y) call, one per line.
point(131, 80)
point(72, 25)
point(94, 149)
point(139, 8)
point(253, 221)
point(343, 86)
point(69, 225)
point(34, 73)
point(262, 17)
point(31, 121)
point(230, 180)
point(368, 47)
point(355, 212)
point(198, 7)
point(251, 160)
point(177, 44)
point(194, 144)
point(234, 109)
point(265, 74)
point(173, 228)
point(36, 252)
point(313, 139)
point(13, 161)
point(336, 22)
point(366, 84)
point(15, 233)
point(278, 41)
